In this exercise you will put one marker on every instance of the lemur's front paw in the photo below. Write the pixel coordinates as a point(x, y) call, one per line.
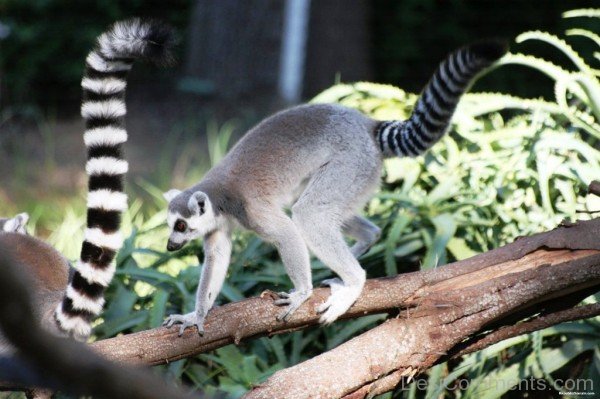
point(341, 299)
point(186, 320)
point(293, 299)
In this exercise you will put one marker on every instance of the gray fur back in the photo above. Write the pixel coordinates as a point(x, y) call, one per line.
point(274, 158)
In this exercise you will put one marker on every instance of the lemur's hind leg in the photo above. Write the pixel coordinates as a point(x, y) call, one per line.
point(279, 229)
point(363, 231)
point(324, 237)
point(330, 198)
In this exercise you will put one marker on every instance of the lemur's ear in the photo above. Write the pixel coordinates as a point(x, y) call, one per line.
point(197, 202)
point(169, 195)
point(17, 224)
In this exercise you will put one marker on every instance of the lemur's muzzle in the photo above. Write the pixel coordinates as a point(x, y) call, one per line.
point(174, 246)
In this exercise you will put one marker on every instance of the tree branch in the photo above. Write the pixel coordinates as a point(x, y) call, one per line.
point(256, 317)
point(405, 374)
point(442, 315)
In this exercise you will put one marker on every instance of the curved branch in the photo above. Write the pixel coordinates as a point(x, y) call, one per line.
point(256, 317)
point(446, 316)
point(404, 375)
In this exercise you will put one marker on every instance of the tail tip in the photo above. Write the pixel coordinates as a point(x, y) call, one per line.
point(161, 40)
point(158, 38)
point(490, 49)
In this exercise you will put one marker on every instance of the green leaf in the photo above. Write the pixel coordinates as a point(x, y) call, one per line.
point(558, 43)
point(445, 228)
point(148, 275)
point(500, 381)
point(584, 33)
point(121, 304)
point(582, 12)
point(117, 325)
point(434, 381)
point(158, 309)
point(548, 68)
point(398, 227)
point(459, 249)
point(231, 293)
point(275, 343)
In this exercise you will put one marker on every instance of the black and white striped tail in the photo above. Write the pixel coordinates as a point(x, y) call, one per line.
point(434, 109)
point(103, 109)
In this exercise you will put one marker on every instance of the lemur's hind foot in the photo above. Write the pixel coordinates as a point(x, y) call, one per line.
point(294, 299)
point(341, 299)
point(186, 320)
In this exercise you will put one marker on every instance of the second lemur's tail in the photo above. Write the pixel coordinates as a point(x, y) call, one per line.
point(103, 109)
point(434, 109)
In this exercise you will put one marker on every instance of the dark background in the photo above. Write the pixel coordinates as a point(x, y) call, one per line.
point(230, 48)
point(227, 73)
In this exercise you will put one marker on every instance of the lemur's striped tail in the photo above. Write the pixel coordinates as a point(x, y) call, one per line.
point(103, 109)
point(434, 109)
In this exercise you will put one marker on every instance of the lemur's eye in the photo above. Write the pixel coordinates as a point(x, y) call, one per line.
point(180, 226)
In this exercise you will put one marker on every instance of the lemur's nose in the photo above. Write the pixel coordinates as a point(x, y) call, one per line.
point(171, 246)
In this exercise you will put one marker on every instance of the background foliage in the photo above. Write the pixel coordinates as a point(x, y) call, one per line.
point(410, 36)
point(39, 33)
point(510, 166)
point(34, 34)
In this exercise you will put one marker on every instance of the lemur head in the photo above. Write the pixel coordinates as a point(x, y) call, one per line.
point(190, 215)
point(15, 224)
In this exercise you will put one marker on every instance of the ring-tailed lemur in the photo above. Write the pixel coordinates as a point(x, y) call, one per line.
point(15, 224)
point(339, 151)
point(68, 299)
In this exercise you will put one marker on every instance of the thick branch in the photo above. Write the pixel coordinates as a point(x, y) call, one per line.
point(405, 374)
point(442, 316)
point(257, 316)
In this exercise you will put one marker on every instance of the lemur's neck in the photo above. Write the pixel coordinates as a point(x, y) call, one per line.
point(225, 202)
